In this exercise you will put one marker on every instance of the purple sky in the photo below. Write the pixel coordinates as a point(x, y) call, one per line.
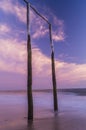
point(68, 21)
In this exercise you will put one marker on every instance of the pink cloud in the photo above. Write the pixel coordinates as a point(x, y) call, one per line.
point(13, 58)
point(16, 9)
point(4, 29)
point(39, 28)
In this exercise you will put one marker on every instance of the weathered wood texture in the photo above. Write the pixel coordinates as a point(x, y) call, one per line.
point(53, 71)
point(29, 79)
point(29, 69)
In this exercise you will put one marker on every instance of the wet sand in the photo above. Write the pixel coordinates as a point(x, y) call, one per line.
point(71, 114)
point(61, 121)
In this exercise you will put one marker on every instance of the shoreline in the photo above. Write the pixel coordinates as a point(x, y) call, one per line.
point(71, 114)
point(59, 122)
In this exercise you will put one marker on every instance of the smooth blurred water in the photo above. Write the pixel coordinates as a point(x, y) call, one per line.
point(14, 106)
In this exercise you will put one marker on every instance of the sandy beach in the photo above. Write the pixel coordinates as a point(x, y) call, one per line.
point(71, 114)
point(59, 122)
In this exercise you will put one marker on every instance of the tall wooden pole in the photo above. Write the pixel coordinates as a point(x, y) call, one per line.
point(29, 69)
point(53, 71)
point(29, 82)
point(52, 60)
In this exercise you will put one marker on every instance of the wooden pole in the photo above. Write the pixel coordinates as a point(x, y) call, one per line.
point(29, 70)
point(53, 71)
point(52, 60)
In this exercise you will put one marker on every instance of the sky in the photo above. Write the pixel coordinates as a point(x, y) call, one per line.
point(68, 19)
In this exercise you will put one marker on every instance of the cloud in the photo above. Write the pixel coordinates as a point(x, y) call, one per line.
point(58, 31)
point(41, 32)
point(14, 8)
point(71, 72)
point(13, 58)
point(13, 52)
point(4, 28)
point(58, 36)
point(40, 63)
point(39, 29)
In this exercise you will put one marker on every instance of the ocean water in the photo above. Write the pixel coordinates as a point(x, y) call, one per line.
point(13, 106)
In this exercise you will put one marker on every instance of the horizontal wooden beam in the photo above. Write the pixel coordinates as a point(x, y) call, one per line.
point(45, 19)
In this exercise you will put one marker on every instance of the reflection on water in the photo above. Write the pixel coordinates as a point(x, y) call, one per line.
point(14, 106)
